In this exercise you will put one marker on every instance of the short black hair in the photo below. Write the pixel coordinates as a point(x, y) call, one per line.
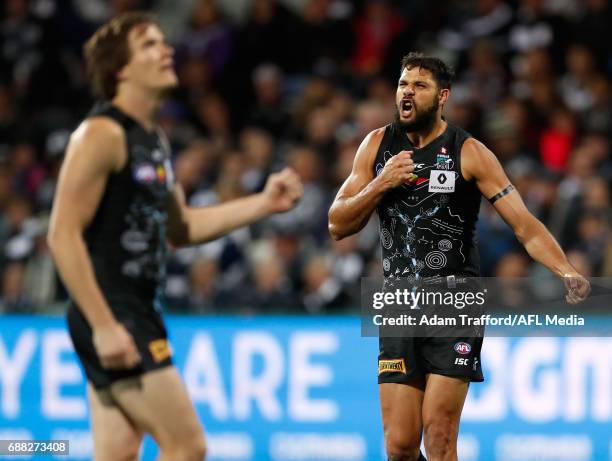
point(442, 73)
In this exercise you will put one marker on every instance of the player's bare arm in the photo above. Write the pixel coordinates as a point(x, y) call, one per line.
point(96, 149)
point(480, 164)
point(189, 225)
point(361, 192)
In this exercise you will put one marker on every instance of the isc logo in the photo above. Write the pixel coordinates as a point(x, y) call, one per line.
point(461, 361)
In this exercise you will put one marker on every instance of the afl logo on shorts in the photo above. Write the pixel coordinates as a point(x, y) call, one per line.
point(462, 348)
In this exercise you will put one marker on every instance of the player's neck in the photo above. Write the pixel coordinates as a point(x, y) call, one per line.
point(424, 137)
point(138, 104)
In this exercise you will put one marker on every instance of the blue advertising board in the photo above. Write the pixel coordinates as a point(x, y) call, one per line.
point(304, 388)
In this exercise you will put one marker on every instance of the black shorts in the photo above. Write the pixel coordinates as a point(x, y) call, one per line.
point(148, 331)
point(404, 359)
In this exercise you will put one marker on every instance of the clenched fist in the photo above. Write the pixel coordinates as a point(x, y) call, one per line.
point(397, 171)
point(577, 288)
point(283, 190)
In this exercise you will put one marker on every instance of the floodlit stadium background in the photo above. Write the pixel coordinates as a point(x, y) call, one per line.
point(300, 82)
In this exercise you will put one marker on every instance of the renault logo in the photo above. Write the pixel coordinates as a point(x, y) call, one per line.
point(441, 178)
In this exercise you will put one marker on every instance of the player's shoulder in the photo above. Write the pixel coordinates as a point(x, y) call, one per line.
point(100, 128)
point(375, 137)
point(473, 146)
point(379, 131)
point(100, 139)
point(477, 160)
point(371, 142)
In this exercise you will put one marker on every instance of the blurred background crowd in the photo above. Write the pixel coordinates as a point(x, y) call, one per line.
point(269, 83)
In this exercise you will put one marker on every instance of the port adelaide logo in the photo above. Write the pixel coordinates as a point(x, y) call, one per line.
point(444, 160)
point(442, 178)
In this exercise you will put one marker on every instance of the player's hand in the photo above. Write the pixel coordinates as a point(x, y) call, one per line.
point(578, 288)
point(115, 347)
point(283, 190)
point(398, 170)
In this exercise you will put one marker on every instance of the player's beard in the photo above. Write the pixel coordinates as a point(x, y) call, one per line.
point(424, 119)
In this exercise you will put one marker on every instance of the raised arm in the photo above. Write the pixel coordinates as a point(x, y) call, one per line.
point(95, 150)
point(362, 191)
point(189, 225)
point(480, 164)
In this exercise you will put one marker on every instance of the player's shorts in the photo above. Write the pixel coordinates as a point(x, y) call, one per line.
point(148, 331)
point(405, 359)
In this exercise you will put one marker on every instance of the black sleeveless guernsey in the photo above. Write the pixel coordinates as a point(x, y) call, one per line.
point(427, 227)
point(127, 237)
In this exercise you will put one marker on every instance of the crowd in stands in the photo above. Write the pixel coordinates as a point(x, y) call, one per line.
point(269, 83)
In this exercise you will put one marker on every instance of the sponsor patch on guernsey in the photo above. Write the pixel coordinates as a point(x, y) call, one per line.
point(441, 181)
point(391, 366)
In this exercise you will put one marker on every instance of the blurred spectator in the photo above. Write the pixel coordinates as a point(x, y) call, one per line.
point(203, 286)
point(40, 278)
point(502, 137)
point(537, 28)
point(484, 79)
point(580, 262)
point(320, 131)
point(272, 290)
point(477, 19)
point(209, 37)
point(25, 171)
point(14, 298)
point(195, 76)
point(269, 83)
point(316, 93)
point(310, 215)
point(269, 111)
point(512, 265)
point(593, 233)
point(495, 239)
point(557, 140)
point(325, 37)
point(190, 167)
point(27, 49)
point(214, 120)
point(266, 37)
point(19, 217)
point(258, 148)
point(8, 118)
point(375, 28)
point(511, 271)
point(322, 292)
point(599, 117)
point(575, 85)
point(348, 266)
point(592, 26)
point(371, 115)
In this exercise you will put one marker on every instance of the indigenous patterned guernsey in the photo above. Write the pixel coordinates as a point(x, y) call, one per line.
point(127, 237)
point(427, 227)
point(126, 240)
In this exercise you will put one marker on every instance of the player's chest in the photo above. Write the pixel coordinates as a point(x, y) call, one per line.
point(435, 170)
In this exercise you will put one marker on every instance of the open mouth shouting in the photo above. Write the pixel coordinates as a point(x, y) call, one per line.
point(406, 108)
